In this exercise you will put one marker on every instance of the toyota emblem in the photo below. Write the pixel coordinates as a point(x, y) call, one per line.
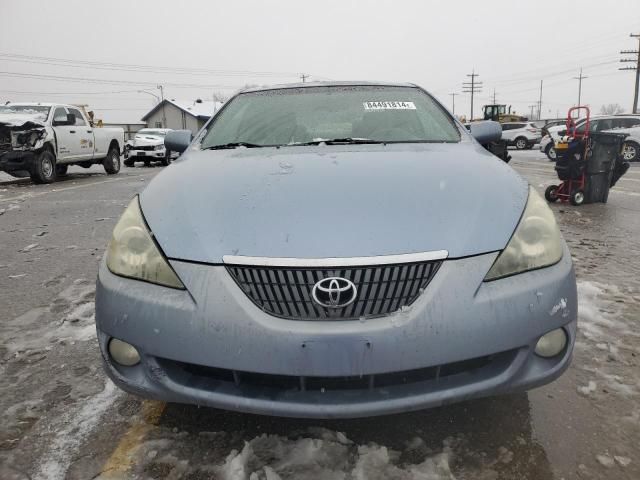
point(334, 292)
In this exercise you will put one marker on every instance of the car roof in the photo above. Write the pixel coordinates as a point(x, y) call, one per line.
point(327, 84)
point(39, 104)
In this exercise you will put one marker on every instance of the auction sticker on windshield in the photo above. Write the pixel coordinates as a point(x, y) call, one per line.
point(389, 106)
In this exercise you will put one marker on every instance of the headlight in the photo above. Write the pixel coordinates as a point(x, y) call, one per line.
point(536, 242)
point(159, 147)
point(133, 253)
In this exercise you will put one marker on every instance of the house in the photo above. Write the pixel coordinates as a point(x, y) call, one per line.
point(181, 114)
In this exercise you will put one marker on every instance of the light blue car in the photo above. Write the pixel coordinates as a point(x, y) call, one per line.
point(332, 250)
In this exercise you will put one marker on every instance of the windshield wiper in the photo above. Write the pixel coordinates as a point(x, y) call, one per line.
point(233, 145)
point(338, 141)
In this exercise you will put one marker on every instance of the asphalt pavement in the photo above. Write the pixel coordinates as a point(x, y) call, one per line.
point(61, 418)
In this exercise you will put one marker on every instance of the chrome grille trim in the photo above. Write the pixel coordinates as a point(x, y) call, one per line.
point(335, 261)
point(286, 292)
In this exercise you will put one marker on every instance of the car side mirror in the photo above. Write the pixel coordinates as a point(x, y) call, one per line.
point(178, 140)
point(486, 132)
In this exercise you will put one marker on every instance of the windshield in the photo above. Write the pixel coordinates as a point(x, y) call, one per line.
point(158, 133)
point(37, 110)
point(303, 115)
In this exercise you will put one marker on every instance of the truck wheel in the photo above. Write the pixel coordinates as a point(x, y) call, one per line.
point(61, 170)
point(111, 163)
point(521, 143)
point(167, 159)
point(44, 168)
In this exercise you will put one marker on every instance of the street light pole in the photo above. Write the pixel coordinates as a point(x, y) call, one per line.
point(152, 94)
point(164, 116)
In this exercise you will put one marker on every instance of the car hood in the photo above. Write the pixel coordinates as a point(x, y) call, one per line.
point(23, 120)
point(147, 140)
point(334, 201)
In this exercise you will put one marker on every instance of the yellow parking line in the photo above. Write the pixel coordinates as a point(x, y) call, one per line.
point(122, 457)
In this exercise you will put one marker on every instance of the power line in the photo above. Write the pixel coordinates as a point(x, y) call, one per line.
point(635, 60)
point(111, 82)
point(580, 78)
point(453, 103)
point(136, 67)
point(472, 87)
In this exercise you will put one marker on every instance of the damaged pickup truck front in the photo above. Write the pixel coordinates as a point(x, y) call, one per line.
point(41, 140)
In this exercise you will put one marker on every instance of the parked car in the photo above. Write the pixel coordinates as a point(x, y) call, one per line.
point(148, 146)
point(335, 249)
point(43, 139)
point(597, 124)
point(521, 134)
point(552, 123)
point(631, 146)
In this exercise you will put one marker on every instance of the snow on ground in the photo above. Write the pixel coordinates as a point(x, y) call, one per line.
point(72, 428)
point(69, 318)
point(608, 332)
point(316, 453)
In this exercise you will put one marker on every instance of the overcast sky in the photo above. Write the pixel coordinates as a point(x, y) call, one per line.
point(511, 44)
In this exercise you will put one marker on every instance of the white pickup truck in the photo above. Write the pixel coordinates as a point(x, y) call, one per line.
point(43, 139)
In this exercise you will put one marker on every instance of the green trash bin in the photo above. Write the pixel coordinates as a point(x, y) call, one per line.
point(602, 156)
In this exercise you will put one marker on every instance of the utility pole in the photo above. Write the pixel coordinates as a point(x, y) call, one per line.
point(540, 103)
point(453, 102)
point(636, 68)
point(580, 78)
point(164, 116)
point(532, 107)
point(472, 87)
point(304, 77)
point(494, 96)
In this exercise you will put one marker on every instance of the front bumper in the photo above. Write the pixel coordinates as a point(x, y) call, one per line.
point(461, 339)
point(14, 161)
point(146, 154)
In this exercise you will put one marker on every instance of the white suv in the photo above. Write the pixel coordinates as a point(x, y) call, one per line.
point(521, 134)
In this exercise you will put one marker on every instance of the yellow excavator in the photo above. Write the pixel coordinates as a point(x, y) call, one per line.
point(499, 113)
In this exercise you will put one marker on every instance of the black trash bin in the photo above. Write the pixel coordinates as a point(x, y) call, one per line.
point(602, 164)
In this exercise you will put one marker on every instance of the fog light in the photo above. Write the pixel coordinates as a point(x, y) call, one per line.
point(552, 343)
point(123, 353)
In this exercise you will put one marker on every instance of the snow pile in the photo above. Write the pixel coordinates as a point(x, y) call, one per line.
point(609, 334)
point(327, 455)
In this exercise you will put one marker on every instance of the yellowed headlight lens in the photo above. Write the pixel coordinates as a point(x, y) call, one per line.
point(536, 242)
point(133, 253)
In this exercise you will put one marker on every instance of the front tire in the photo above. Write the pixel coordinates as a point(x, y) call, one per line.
point(129, 162)
point(111, 163)
point(577, 197)
point(44, 167)
point(166, 161)
point(630, 151)
point(551, 193)
point(521, 143)
point(550, 152)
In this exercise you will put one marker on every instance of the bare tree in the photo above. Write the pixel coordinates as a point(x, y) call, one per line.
point(611, 109)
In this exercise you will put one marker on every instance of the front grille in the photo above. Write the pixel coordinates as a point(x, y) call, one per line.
point(287, 292)
point(191, 374)
point(146, 148)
